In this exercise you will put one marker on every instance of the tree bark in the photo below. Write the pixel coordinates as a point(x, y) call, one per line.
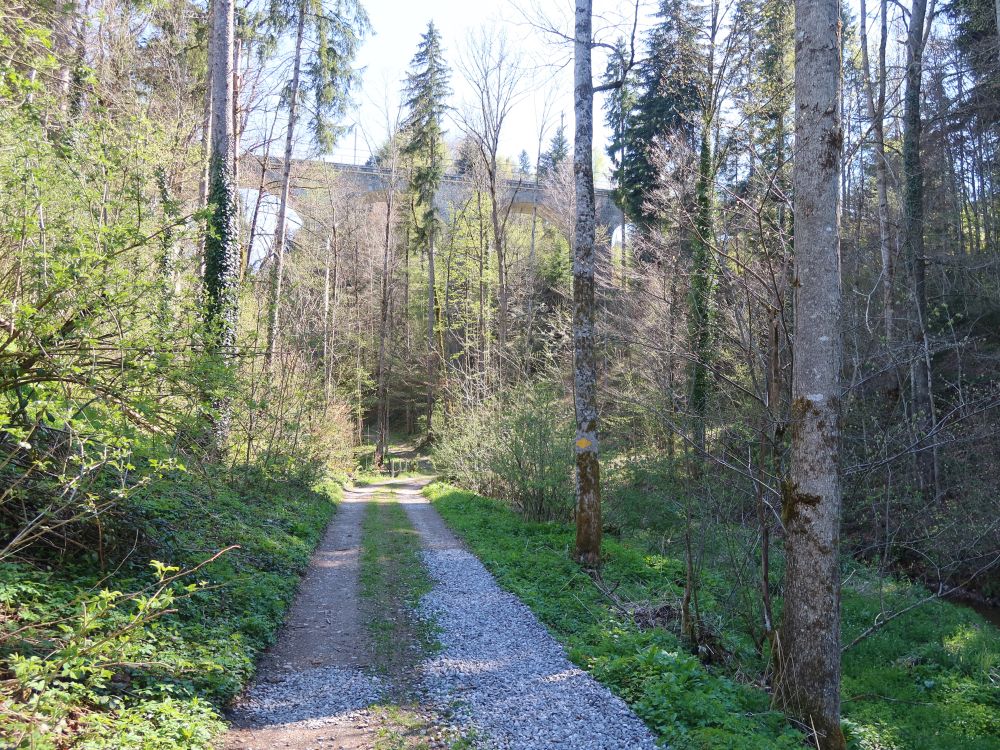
point(278, 268)
point(382, 380)
point(808, 647)
point(588, 476)
point(222, 252)
point(913, 232)
point(875, 101)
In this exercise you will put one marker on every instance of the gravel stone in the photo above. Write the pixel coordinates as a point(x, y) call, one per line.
point(310, 698)
point(500, 670)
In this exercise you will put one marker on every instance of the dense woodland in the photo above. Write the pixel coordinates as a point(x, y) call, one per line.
point(780, 371)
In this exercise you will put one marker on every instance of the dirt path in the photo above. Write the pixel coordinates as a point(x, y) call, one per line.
point(312, 687)
point(354, 669)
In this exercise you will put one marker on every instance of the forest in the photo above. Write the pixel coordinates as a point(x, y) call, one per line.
point(614, 374)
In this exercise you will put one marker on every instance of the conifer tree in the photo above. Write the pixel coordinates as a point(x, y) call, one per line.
point(556, 153)
point(669, 102)
point(427, 89)
point(619, 109)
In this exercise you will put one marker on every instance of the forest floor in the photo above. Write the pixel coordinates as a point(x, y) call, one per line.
point(400, 639)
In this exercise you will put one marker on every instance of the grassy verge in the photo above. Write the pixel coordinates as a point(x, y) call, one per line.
point(929, 681)
point(393, 579)
point(114, 659)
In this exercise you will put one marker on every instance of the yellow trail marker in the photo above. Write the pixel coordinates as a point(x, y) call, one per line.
point(583, 444)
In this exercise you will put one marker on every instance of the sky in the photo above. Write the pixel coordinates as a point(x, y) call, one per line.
point(548, 84)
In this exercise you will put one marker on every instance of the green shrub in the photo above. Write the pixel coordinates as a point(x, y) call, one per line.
point(517, 446)
point(927, 681)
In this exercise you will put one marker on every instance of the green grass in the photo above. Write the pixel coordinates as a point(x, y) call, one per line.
point(393, 579)
point(928, 681)
point(161, 685)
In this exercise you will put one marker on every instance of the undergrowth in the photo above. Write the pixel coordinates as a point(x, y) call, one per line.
point(142, 656)
point(929, 681)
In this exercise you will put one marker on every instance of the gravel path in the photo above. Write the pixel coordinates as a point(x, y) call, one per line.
point(513, 681)
point(499, 679)
point(312, 686)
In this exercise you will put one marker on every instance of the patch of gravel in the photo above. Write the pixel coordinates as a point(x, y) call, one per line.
point(309, 698)
point(501, 670)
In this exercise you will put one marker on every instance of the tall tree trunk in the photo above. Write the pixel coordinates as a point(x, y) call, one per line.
point(913, 231)
point(502, 295)
point(875, 100)
point(237, 132)
point(206, 129)
point(278, 267)
point(431, 281)
point(222, 252)
point(588, 474)
point(808, 647)
point(998, 28)
point(65, 50)
point(700, 293)
point(381, 375)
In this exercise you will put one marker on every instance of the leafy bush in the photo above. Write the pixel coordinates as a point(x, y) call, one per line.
point(518, 447)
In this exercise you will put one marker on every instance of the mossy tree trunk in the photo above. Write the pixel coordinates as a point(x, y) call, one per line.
point(588, 475)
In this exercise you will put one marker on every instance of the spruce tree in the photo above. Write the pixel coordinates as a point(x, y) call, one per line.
point(524, 164)
point(557, 152)
point(669, 101)
point(427, 89)
point(619, 110)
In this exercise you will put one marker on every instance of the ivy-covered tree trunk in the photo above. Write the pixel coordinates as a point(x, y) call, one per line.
point(913, 232)
point(222, 251)
point(807, 681)
point(281, 227)
point(588, 474)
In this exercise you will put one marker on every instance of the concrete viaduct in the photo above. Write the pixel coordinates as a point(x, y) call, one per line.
point(374, 181)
